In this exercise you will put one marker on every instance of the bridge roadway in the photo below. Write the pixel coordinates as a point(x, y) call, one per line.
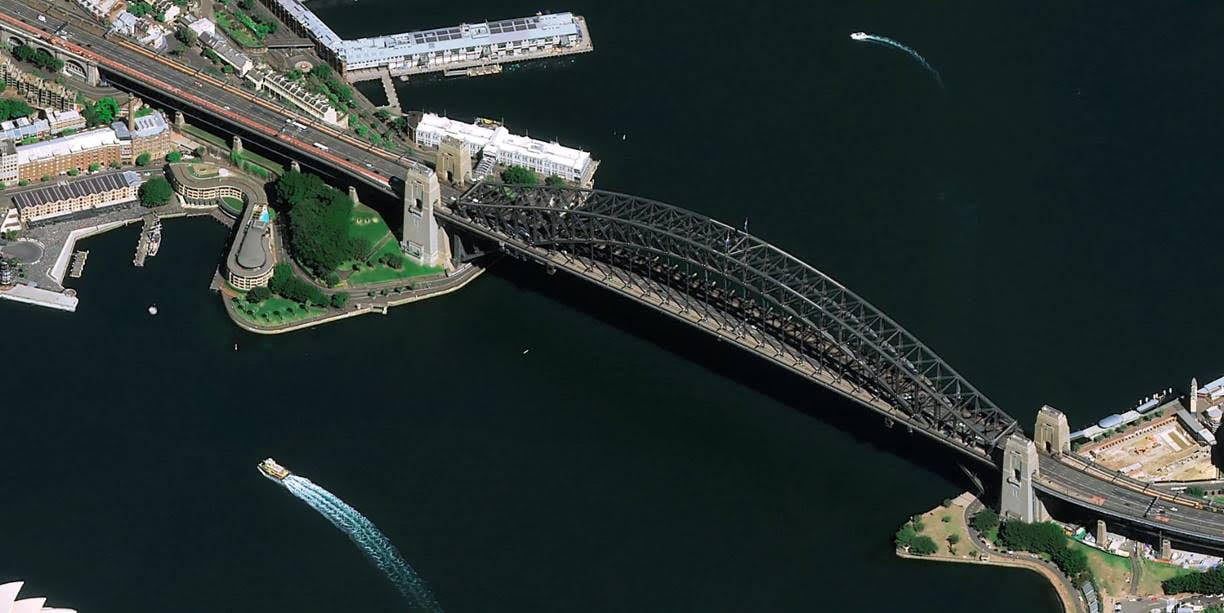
point(376, 167)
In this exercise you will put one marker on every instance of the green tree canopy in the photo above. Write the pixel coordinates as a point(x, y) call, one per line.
point(12, 107)
point(923, 546)
point(319, 223)
point(520, 175)
point(338, 300)
point(174, 156)
point(258, 293)
point(144, 159)
point(104, 111)
point(155, 192)
point(985, 520)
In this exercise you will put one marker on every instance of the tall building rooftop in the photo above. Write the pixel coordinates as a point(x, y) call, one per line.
point(89, 139)
point(65, 190)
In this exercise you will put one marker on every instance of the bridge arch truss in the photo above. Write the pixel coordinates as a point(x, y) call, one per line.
point(738, 287)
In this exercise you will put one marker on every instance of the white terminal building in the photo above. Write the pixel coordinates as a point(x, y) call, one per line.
point(497, 143)
point(461, 46)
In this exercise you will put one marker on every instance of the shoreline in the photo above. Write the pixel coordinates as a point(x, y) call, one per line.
point(450, 284)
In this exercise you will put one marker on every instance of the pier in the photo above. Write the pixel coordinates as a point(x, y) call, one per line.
point(150, 237)
point(78, 264)
point(389, 90)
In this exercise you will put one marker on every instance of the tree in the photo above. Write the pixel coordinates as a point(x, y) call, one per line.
point(520, 175)
point(72, 172)
point(905, 536)
point(923, 546)
point(186, 35)
point(200, 151)
point(104, 111)
point(338, 300)
point(554, 181)
point(12, 107)
point(1072, 562)
point(953, 538)
point(174, 156)
point(155, 192)
point(1042, 537)
point(95, 167)
point(258, 293)
point(1195, 490)
point(144, 159)
point(985, 520)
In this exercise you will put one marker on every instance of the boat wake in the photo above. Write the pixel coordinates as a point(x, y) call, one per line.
point(366, 536)
point(888, 42)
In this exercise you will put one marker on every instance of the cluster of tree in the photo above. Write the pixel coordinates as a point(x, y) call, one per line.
point(319, 220)
point(520, 175)
point(1044, 537)
point(325, 81)
point(554, 181)
point(1209, 582)
point(139, 8)
point(258, 294)
point(102, 112)
point(38, 57)
point(1195, 490)
point(12, 107)
point(910, 536)
point(985, 521)
point(155, 192)
point(285, 285)
point(392, 260)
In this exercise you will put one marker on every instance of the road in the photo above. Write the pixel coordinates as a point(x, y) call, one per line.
point(126, 61)
point(1090, 491)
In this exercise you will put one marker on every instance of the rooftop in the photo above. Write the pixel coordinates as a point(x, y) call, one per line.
point(150, 125)
point(498, 140)
point(81, 141)
point(453, 38)
point(65, 190)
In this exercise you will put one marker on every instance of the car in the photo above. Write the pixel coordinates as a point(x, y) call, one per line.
point(42, 18)
point(1174, 509)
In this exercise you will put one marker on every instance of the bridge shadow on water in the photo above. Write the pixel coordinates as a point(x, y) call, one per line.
point(744, 368)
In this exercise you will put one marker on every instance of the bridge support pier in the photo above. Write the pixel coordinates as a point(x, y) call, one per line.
point(237, 146)
point(1166, 549)
point(421, 232)
point(1017, 498)
point(294, 166)
point(1051, 433)
point(352, 194)
point(1100, 533)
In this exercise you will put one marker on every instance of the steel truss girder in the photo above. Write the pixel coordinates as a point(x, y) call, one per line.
point(738, 280)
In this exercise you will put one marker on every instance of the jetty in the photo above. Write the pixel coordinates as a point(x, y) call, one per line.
point(78, 264)
point(150, 240)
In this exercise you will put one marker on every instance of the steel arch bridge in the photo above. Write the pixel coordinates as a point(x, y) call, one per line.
point(740, 289)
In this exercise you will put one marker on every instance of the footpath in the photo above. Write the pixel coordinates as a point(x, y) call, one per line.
point(966, 506)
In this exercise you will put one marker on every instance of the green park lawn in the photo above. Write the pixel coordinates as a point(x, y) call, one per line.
point(275, 311)
point(365, 222)
point(1155, 572)
point(381, 273)
point(237, 31)
point(1111, 571)
point(233, 205)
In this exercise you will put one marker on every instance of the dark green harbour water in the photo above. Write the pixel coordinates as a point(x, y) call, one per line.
point(1044, 224)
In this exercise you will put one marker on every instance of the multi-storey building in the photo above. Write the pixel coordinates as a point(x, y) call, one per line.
point(37, 91)
point(67, 197)
point(316, 104)
point(148, 134)
point(78, 151)
point(441, 48)
point(231, 55)
point(497, 143)
point(65, 120)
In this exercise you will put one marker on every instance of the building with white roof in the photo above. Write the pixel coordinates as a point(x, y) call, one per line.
point(438, 49)
point(65, 120)
point(496, 142)
point(202, 25)
point(78, 151)
point(10, 604)
point(99, 9)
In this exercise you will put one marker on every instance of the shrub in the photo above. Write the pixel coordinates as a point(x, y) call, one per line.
point(923, 546)
point(258, 294)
